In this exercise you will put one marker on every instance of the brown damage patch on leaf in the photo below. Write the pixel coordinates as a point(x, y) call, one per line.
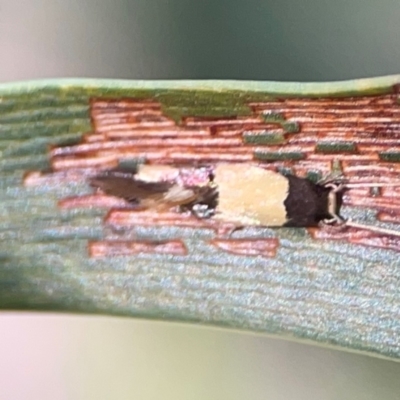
point(218, 121)
point(384, 171)
point(248, 247)
point(95, 200)
point(131, 145)
point(361, 134)
point(151, 122)
point(237, 130)
point(101, 161)
point(352, 118)
point(325, 104)
point(229, 147)
point(207, 157)
point(344, 157)
point(37, 178)
point(362, 237)
point(370, 140)
point(378, 203)
point(100, 104)
point(380, 241)
point(131, 218)
point(124, 115)
point(112, 248)
point(131, 128)
point(161, 132)
point(391, 216)
point(93, 137)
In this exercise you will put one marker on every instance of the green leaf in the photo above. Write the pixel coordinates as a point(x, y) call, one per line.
point(332, 293)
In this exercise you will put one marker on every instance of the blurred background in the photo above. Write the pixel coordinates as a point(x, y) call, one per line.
point(77, 357)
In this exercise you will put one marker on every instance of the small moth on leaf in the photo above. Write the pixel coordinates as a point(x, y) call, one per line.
point(240, 194)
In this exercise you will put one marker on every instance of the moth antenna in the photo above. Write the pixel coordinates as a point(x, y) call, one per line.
point(371, 228)
point(333, 177)
point(337, 179)
point(370, 184)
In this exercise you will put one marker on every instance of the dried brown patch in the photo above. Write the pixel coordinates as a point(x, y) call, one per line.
point(248, 247)
point(110, 248)
point(367, 128)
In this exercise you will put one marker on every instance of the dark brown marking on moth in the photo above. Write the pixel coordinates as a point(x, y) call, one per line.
point(130, 189)
point(307, 203)
point(161, 195)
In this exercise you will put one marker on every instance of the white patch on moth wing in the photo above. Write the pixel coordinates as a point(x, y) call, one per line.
point(194, 176)
point(250, 195)
point(179, 195)
point(156, 173)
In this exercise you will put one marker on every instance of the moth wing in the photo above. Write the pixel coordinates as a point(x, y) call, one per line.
point(157, 195)
point(128, 188)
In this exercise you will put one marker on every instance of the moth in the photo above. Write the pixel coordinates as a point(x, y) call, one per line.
point(240, 194)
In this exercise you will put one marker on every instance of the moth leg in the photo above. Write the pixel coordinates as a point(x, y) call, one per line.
point(236, 229)
point(202, 211)
point(335, 218)
point(335, 188)
point(205, 203)
point(226, 231)
point(335, 226)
